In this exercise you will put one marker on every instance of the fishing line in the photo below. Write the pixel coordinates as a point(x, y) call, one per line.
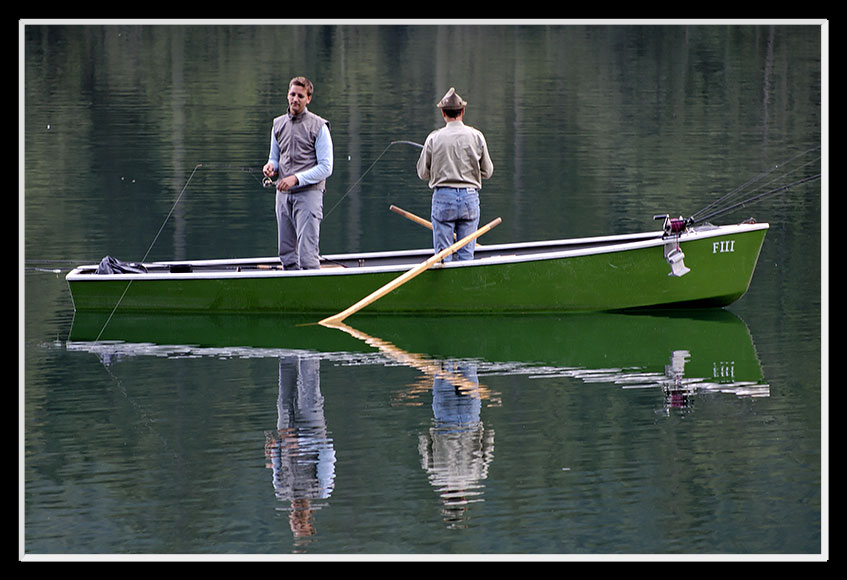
point(760, 189)
point(758, 197)
point(162, 227)
point(173, 207)
point(358, 181)
point(249, 170)
point(268, 182)
point(228, 166)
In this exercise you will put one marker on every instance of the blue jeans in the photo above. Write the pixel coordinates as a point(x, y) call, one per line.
point(454, 211)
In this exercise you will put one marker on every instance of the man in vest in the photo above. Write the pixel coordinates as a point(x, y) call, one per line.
point(300, 161)
point(454, 161)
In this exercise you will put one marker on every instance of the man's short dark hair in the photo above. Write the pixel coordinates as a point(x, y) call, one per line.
point(303, 82)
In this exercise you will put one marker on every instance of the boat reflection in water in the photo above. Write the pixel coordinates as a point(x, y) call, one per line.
point(682, 355)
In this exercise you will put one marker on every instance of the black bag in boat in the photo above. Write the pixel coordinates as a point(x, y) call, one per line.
point(110, 265)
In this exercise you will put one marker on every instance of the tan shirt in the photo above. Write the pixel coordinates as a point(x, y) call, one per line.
point(455, 156)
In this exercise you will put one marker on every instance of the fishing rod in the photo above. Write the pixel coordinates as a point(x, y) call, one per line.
point(153, 243)
point(269, 182)
point(755, 198)
point(757, 188)
point(407, 143)
point(266, 182)
point(48, 266)
point(711, 210)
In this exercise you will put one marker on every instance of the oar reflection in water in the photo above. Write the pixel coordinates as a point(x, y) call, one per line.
point(429, 367)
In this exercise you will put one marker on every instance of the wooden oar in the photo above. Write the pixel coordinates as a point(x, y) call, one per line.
point(416, 219)
point(411, 216)
point(406, 276)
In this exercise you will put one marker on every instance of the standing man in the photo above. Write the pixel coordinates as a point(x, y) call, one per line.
point(454, 161)
point(300, 161)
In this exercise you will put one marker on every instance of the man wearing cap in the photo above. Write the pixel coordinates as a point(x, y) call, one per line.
point(300, 161)
point(454, 161)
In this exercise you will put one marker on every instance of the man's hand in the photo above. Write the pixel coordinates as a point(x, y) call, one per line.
point(269, 170)
point(287, 183)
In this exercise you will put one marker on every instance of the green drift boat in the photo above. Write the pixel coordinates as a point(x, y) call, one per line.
point(678, 266)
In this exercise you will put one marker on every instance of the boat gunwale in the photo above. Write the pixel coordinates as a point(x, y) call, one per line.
point(593, 245)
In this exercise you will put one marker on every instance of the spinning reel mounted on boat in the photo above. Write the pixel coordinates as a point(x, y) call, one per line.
point(673, 227)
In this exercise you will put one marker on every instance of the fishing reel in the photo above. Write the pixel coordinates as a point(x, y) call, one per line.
point(269, 181)
point(673, 226)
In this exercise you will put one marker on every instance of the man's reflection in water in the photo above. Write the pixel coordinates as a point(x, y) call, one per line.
point(299, 451)
point(457, 450)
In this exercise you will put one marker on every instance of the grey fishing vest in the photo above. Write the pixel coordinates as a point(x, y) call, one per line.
point(296, 138)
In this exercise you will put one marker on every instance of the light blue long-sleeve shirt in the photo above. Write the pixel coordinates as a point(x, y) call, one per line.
point(323, 150)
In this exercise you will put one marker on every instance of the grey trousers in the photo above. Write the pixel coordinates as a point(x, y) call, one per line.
point(298, 218)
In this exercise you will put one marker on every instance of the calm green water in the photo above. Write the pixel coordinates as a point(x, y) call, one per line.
point(590, 435)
